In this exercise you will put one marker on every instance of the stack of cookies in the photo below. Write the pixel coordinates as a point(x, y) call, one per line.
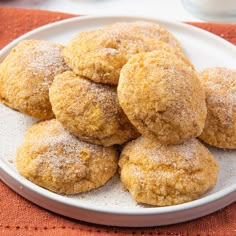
point(126, 86)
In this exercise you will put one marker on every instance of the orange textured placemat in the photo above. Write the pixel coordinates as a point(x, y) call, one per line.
point(19, 217)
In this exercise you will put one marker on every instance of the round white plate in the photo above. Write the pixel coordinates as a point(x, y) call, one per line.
point(111, 205)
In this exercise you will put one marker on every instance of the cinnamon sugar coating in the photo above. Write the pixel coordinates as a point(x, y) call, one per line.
point(148, 29)
point(90, 110)
point(220, 127)
point(100, 54)
point(56, 160)
point(162, 96)
point(26, 75)
point(164, 175)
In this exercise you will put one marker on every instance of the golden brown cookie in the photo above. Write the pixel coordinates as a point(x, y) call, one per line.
point(162, 96)
point(164, 175)
point(26, 75)
point(100, 54)
point(56, 160)
point(147, 28)
point(90, 110)
point(220, 126)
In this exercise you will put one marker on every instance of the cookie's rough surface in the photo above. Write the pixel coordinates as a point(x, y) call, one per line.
point(167, 175)
point(148, 29)
point(90, 110)
point(162, 96)
point(220, 126)
point(26, 75)
point(56, 160)
point(100, 54)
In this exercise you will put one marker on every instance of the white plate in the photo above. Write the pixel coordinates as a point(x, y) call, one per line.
point(110, 205)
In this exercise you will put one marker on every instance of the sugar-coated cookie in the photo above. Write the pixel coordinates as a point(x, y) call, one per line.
point(56, 160)
point(220, 127)
point(162, 96)
point(100, 54)
point(26, 75)
point(90, 110)
point(165, 175)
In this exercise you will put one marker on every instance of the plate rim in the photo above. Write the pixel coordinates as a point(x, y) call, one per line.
point(124, 211)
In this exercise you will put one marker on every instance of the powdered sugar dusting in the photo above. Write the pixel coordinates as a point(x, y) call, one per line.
point(104, 95)
point(58, 151)
point(187, 149)
point(162, 153)
point(147, 29)
point(44, 59)
point(55, 135)
point(220, 85)
point(111, 51)
point(225, 106)
point(59, 164)
point(222, 73)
